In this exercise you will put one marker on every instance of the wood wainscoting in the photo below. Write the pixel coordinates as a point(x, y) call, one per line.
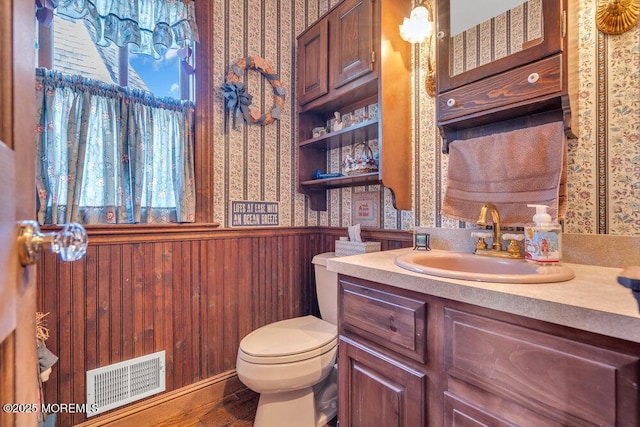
point(192, 290)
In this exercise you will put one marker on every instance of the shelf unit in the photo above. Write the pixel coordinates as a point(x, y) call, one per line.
point(346, 137)
point(356, 53)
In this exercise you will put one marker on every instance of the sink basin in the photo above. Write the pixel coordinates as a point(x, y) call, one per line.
point(466, 266)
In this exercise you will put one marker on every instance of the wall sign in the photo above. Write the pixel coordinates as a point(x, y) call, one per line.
point(364, 209)
point(246, 213)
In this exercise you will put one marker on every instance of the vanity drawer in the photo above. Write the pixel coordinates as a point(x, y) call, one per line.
point(528, 82)
point(395, 322)
point(544, 373)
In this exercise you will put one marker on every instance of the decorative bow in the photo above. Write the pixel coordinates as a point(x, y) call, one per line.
point(237, 100)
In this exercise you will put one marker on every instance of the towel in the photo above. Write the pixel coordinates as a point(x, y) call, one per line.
point(510, 170)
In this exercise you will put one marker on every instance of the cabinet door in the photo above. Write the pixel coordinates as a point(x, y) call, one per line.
point(378, 391)
point(541, 372)
point(313, 77)
point(526, 33)
point(352, 41)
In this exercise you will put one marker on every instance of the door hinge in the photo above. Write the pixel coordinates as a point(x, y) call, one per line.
point(564, 23)
point(373, 56)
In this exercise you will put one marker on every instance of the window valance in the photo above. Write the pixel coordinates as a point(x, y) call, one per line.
point(153, 26)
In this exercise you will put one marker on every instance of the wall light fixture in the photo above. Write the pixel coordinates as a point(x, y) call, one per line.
point(418, 28)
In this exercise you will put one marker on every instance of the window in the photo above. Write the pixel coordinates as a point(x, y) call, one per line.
point(69, 47)
point(112, 146)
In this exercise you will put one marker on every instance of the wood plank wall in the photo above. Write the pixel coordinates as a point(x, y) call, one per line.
point(193, 291)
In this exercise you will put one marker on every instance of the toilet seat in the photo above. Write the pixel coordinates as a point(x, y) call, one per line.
point(289, 341)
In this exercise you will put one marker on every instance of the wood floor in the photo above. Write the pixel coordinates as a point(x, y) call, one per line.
point(236, 411)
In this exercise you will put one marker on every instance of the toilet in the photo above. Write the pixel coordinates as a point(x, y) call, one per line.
point(292, 363)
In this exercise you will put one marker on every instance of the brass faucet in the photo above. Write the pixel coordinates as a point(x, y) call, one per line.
point(495, 216)
point(513, 250)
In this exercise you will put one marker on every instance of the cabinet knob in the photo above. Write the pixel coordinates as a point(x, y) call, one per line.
point(533, 77)
point(440, 35)
point(70, 242)
point(451, 102)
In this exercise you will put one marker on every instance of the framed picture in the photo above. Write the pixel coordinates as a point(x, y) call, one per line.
point(365, 210)
point(421, 241)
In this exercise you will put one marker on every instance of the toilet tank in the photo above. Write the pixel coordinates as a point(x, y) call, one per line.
point(326, 288)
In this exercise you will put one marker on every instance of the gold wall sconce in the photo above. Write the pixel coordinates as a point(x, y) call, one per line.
point(418, 28)
point(617, 16)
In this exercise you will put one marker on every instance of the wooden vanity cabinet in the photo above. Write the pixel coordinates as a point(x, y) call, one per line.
point(530, 86)
point(410, 359)
point(383, 356)
point(342, 66)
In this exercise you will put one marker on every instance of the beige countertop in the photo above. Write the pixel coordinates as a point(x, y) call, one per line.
point(593, 301)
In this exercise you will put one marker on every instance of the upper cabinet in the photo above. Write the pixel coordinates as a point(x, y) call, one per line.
point(505, 68)
point(337, 56)
point(352, 60)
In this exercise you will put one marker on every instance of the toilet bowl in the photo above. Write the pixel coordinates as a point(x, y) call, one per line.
point(292, 363)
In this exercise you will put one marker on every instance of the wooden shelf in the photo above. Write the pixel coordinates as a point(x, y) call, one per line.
point(348, 136)
point(343, 181)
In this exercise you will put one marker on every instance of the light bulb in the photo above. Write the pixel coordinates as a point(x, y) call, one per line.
point(416, 28)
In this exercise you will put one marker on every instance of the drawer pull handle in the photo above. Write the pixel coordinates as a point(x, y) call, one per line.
point(533, 77)
point(451, 102)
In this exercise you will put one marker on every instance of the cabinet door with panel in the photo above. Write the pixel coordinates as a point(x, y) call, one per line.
point(313, 71)
point(528, 377)
point(353, 37)
point(377, 390)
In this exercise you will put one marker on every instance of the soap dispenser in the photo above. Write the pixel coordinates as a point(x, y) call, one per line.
point(542, 238)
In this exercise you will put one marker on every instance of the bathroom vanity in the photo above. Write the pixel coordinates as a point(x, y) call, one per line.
point(419, 350)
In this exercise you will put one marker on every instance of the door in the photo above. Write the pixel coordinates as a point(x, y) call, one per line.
point(313, 75)
point(352, 41)
point(379, 390)
point(18, 361)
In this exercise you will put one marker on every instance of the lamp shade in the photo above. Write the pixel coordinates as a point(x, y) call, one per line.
point(416, 28)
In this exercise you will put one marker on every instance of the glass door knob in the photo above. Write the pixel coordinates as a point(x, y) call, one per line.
point(70, 242)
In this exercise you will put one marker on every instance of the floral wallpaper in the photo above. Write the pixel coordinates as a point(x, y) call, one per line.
point(259, 163)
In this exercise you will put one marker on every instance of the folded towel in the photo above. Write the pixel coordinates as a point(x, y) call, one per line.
point(510, 169)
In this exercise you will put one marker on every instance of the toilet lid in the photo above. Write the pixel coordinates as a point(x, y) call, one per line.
point(291, 339)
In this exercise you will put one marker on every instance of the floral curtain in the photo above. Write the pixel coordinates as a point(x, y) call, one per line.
point(152, 25)
point(108, 154)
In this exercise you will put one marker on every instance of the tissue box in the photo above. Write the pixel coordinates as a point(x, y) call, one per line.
point(346, 247)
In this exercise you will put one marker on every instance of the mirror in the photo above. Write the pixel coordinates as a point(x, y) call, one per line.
point(485, 31)
point(466, 14)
